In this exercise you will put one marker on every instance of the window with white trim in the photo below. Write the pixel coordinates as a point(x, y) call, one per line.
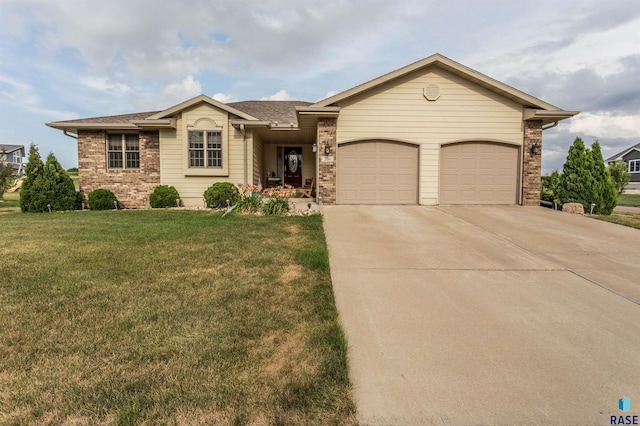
point(205, 149)
point(634, 166)
point(123, 151)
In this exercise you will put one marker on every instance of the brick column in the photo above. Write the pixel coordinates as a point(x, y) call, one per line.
point(327, 166)
point(531, 164)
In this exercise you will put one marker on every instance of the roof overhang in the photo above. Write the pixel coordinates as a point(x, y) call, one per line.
point(74, 127)
point(320, 112)
point(547, 116)
point(160, 123)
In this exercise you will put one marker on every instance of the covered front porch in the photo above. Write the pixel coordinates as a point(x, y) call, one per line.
point(287, 155)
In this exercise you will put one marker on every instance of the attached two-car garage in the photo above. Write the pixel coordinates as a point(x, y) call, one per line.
point(386, 172)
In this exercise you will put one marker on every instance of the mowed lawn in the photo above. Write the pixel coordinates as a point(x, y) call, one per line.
point(168, 317)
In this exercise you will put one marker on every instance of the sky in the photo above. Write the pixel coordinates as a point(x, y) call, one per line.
point(67, 59)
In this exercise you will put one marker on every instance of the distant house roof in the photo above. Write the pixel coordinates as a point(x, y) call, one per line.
point(621, 154)
point(11, 148)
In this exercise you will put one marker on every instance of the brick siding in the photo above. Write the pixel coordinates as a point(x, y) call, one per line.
point(132, 187)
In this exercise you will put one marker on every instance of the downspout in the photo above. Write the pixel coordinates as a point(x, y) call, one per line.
point(554, 124)
point(69, 135)
point(244, 142)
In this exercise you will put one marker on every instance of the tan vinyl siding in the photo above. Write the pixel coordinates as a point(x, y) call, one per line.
point(399, 111)
point(258, 160)
point(173, 153)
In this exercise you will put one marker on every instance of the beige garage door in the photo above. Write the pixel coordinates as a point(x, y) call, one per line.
point(377, 172)
point(478, 173)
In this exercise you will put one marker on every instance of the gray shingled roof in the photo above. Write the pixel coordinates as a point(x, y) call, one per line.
point(10, 148)
point(618, 155)
point(284, 112)
point(114, 119)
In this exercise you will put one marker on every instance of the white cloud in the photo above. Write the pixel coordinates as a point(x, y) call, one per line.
point(280, 95)
point(605, 125)
point(104, 84)
point(225, 97)
point(172, 94)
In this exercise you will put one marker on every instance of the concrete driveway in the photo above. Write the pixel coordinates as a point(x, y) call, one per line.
point(486, 315)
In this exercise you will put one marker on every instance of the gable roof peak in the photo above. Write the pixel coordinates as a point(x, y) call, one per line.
point(451, 66)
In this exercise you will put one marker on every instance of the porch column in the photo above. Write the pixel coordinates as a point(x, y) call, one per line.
point(531, 163)
point(327, 163)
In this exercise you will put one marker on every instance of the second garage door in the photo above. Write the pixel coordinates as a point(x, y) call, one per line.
point(479, 173)
point(377, 172)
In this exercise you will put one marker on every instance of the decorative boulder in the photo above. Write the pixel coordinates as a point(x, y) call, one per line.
point(573, 208)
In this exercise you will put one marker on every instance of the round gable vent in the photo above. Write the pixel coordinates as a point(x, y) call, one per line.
point(432, 92)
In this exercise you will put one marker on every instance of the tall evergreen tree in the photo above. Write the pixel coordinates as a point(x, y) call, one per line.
point(577, 183)
point(606, 196)
point(33, 171)
point(59, 189)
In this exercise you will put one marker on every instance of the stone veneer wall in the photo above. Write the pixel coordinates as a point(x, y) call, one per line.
point(133, 186)
point(531, 164)
point(327, 169)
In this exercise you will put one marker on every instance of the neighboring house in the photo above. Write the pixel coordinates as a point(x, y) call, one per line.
point(13, 155)
point(433, 132)
point(631, 156)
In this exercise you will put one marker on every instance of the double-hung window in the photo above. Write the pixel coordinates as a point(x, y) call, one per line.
point(205, 149)
point(123, 151)
point(634, 166)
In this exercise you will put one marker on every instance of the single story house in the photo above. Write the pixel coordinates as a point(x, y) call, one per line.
point(433, 132)
point(631, 156)
point(14, 156)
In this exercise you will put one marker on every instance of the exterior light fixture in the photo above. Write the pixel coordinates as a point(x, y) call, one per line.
point(535, 149)
point(315, 147)
point(327, 149)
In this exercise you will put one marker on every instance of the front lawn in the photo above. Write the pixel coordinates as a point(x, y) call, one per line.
point(626, 219)
point(629, 200)
point(168, 317)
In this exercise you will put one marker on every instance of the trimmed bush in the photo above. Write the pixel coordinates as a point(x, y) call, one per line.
point(164, 196)
point(218, 194)
point(102, 199)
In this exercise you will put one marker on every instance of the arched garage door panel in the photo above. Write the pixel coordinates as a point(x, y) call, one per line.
point(478, 173)
point(377, 172)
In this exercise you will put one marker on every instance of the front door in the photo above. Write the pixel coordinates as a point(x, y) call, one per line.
point(293, 166)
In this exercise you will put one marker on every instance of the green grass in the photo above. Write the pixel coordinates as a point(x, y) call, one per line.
point(10, 202)
point(168, 317)
point(627, 219)
point(629, 200)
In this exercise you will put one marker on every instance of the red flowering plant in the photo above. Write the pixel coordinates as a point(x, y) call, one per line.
point(278, 203)
point(249, 198)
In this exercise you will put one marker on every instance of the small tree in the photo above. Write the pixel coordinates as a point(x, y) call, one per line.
point(619, 175)
point(605, 195)
point(30, 201)
point(7, 176)
point(550, 185)
point(577, 184)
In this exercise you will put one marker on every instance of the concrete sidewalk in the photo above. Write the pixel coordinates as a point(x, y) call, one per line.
point(486, 315)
